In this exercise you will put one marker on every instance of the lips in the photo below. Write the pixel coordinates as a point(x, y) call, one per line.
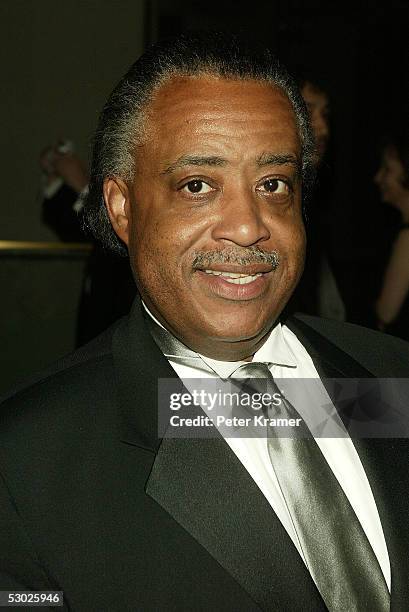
point(235, 278)
point(248, 283)
point(248, 269)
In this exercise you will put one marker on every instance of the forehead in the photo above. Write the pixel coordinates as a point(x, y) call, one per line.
point(210, 112)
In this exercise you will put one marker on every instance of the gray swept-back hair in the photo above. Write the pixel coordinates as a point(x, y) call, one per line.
point(121, 123)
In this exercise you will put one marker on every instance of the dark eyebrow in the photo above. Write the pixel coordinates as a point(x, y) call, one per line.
point(279, 159)
point(195, 160)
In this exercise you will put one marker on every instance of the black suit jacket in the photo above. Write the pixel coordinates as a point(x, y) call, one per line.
point(92, 503)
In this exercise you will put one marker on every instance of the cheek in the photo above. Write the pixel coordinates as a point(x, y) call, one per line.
point(293, 244)
point(302, 243)
point(153, 258)
point(295, 257)
point(158, 253)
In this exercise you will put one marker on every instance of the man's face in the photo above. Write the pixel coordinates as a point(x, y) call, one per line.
point(318, 107)
point(217, 190)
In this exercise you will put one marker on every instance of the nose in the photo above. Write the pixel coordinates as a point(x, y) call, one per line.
point(241, 220)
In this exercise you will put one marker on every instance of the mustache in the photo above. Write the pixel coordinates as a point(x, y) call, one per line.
point(243, 257)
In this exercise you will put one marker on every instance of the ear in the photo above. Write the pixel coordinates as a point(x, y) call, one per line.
point(116, 196)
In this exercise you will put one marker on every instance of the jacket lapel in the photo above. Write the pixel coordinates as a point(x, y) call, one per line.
point(329, 360)
point(384, 460)
point(213, 498)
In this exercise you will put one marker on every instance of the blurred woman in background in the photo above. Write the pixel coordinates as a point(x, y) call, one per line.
point(392, 178)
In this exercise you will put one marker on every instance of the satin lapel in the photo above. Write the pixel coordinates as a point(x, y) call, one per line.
point(203, 485)
point(329, 360)
point(138, 365)
point(205, 488)
point(385, 461)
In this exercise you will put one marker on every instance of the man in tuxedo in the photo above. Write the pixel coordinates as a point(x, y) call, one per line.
point(201, 157)
point(108, 289)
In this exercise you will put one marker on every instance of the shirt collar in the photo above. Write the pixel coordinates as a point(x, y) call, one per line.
point(275, 350)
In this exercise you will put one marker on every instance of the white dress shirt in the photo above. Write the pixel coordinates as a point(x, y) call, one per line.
point(290, 360)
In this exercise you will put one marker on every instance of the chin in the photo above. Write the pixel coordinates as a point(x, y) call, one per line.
point(239, 326)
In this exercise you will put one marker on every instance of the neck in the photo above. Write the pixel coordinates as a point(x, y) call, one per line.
point(231, 351)
point(214, 348)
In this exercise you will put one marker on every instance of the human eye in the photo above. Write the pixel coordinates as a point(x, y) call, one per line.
point(196, 187)
point(274, 187)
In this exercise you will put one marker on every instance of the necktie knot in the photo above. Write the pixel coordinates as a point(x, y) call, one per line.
point(254, 378)
point(253, 369)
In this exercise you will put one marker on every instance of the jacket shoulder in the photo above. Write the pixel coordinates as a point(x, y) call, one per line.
point(76, 379)
point(383, 354)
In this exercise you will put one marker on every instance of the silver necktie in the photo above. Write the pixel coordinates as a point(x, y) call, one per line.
point(335, 547)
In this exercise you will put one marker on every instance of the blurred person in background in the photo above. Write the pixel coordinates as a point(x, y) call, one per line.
point(65, 181)
point(318, 293)
point(392, 179)
point(317, 101)
point(108, 288)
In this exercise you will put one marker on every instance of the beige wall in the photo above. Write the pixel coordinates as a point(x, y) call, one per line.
point(60, 59)
point(38, 313)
